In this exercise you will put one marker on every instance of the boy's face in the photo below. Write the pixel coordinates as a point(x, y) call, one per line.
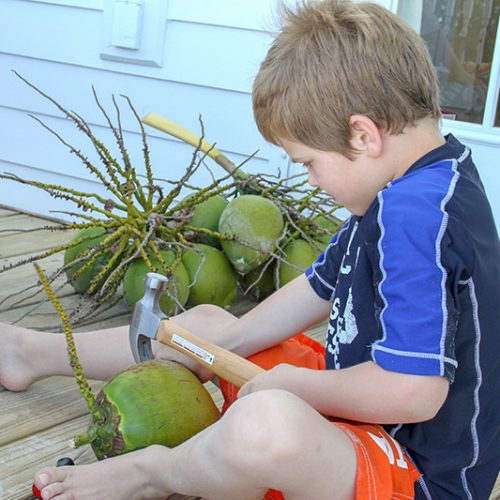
point(351, 183)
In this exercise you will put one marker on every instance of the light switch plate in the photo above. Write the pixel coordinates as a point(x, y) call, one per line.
point(133, 31)
point(127, 24)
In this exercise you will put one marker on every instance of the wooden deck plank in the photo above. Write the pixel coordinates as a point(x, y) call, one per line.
point(21, 459)
point(14, 245)
point(36, 425)
point(47, 403)
point(43, 317)
point(19, 244)
point(17, 288)
point(21, 224)
point(7, 212)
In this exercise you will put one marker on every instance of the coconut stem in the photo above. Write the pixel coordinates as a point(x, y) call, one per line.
point(82, 382)
point(83, 439)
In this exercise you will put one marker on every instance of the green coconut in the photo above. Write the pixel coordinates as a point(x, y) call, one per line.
point(256, 222)
point(211, 277)
point(86, 240)
point(261, 282)
point(206, 215)
point(154, 402)
point(298, 253)
point(328, 226)
point(178, 287)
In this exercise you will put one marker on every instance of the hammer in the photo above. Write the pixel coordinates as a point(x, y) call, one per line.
point(149, 322)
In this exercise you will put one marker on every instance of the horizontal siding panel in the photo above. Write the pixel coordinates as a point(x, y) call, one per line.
point(29, 150)
point(81, 4)
point(48, 31)
point(31, 199)
point(258, 13)
point(195, 54)
point(214, 56)
point(212, 51)
point(25, 142)
point(35, 200)
point(227, 116)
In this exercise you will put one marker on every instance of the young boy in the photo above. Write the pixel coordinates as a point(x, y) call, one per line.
point(410, 285)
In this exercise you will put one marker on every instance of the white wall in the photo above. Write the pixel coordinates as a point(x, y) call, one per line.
point(195, 57)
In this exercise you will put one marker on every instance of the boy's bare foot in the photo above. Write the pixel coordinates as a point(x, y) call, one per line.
point(17, 370)
point(134, 476)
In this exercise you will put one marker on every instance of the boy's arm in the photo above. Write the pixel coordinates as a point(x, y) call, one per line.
point(288, 311)
point(364, 392)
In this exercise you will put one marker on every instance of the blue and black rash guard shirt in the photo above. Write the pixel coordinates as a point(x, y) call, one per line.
point(415, 287)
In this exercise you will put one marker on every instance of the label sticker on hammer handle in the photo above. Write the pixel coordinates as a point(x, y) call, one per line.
point(193, 348)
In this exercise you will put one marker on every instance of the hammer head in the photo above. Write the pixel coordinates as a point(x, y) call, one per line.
point(146, 317)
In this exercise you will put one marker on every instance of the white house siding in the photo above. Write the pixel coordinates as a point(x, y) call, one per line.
point(210, 53)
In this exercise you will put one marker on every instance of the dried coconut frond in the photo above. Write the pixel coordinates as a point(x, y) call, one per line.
point(143, 215)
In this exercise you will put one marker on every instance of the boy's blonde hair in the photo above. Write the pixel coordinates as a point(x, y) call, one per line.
point(333, 59)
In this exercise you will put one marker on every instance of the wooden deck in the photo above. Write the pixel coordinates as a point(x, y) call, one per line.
point(36, 425)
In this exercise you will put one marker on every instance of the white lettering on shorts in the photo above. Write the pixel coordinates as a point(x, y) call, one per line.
point(385, 445)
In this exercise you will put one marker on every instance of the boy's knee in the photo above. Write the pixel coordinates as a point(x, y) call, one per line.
point(263, 429)
point(204, 315)
point(207, 310)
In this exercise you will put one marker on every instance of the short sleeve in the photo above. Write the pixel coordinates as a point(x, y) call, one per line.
point(418, 315)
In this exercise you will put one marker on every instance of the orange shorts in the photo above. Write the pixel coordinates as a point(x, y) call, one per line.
point(384, 471)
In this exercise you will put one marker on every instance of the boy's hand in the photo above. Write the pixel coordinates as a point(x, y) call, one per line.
point(169, 354)
point(365, 392)
point(283, 376)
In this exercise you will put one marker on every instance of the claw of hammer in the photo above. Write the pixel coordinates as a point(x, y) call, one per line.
point(149, 323)
point(146, 317)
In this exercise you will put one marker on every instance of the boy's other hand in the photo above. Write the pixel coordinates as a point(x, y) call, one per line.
point(162, 352)
point(283, 377)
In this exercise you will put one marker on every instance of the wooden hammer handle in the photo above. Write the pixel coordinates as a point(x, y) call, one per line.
point(223, 363)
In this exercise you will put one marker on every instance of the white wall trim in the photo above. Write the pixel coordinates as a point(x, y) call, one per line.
point(81, 4)
point(491, 103)
point(487, 136)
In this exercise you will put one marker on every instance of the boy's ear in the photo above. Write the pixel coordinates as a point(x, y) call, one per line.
point(366, 137)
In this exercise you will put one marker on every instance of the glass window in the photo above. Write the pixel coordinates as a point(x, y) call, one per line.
point(461, 35)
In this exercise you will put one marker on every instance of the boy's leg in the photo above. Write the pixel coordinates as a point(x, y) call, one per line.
point(27, 355)
point(269, 439)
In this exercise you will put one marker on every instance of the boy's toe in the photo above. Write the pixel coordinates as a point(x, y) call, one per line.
point(49, 481)
point(53, 490)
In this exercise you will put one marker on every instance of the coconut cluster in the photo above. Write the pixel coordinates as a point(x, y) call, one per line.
point(240, 233)
point(255, 253)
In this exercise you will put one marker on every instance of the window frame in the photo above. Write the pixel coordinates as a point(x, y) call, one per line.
point(486, 131)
